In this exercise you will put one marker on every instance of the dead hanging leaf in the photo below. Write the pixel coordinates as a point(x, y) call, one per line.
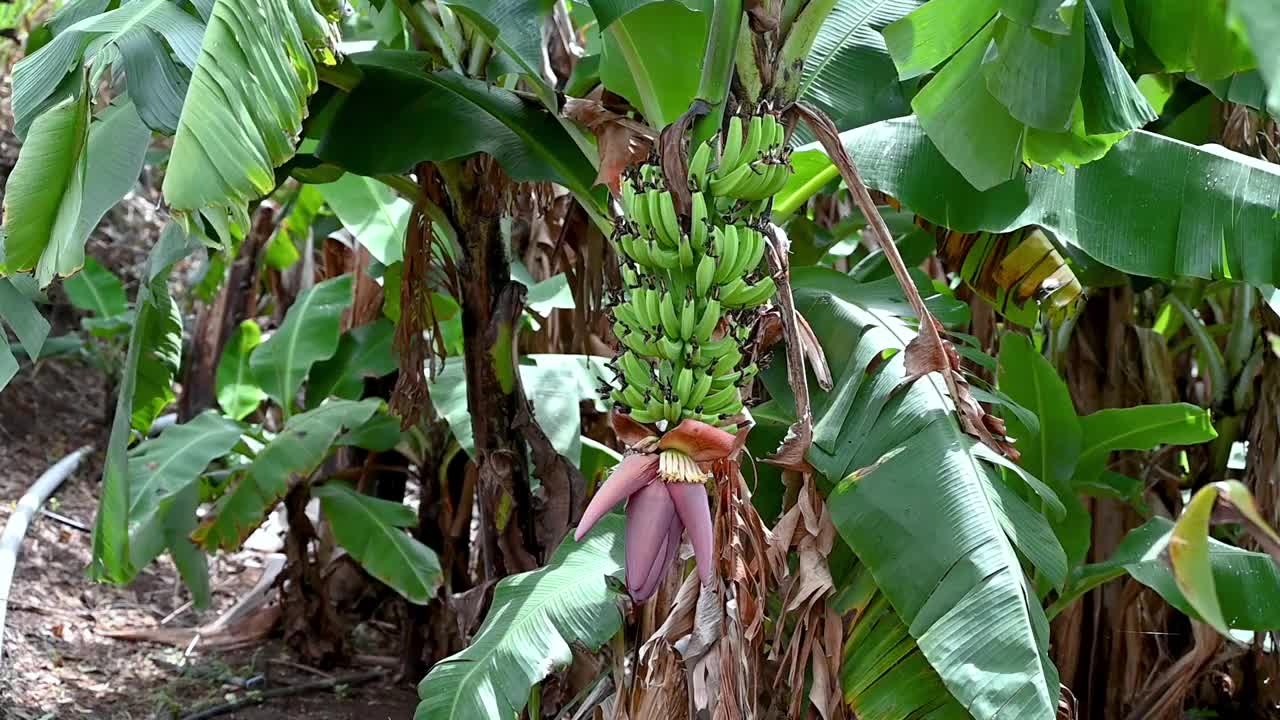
point(790, 454)
point(622, 141)
point(675, 159)
point(814, 647)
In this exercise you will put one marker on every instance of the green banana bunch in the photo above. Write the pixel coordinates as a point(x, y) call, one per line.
point(690, 281)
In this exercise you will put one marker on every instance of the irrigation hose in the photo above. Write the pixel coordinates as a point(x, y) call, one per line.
point(16, 528)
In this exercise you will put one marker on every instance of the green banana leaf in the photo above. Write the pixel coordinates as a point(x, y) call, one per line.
point(926, 509)
point(21, 314)
point(296, 452)
point(164, 492)
point(372, 530)
point(1224, 226)
point(372, 212)
point(1006, 90)
point(145, 388)
point(146, 35)
point(377, 128)
point(1239, 577)
point(238, 393)
point(97, 290)
point(512, 26)
point(1262, 26)
point(848, 72)
point(649, 52)
point(534, 618)
point(69, 173)
point(246, 102)
point(363, 352)
point(308, 335)
point(554, 384)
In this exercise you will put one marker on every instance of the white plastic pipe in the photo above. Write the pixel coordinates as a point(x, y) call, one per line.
point(16, 528)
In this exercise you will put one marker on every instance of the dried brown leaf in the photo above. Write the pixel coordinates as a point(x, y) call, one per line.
point(621, 140)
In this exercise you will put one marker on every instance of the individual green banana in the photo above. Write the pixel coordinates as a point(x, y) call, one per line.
point(652, 309)
point(684, 386)
point(698, 222)
point(756, 254)
point(750, 295)
point(627, 198)
point(670, 221)
point(670, 320)
point(728, 186)
point(704, 275)
point(627, 315)
point(671, 410)
point(653, 199)
point(633, 397)
point(755, 136)
point(685, 251)
point(670, 348)
point(732, 149)
point(698, 166)
point(708, 322)
point(727, 362)
point(688, 319)
point(722, 381)
point(634, 370)
point(717, 349)
point(720, 399)
point(727, 253)
point(630, 279)
point(644, 416)
point(639, 214)
point(665, 259)
point(701, 387)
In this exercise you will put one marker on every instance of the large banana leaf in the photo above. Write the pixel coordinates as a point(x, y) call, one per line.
point(163, 494)
point(18, 310)
point(372, 212)
point(155, 349)
point(534, 618)
point(372, 530)
point(848, 72)
point(1008, 91)
point(141, 34)
point(308, 335)
point(69, 173)
point(512, 26)
point(297, 451)
point(927, 510)
point(246, 103)
point(1223, 227)
point(649, 53)
point(1262, 26)
point(378, 127)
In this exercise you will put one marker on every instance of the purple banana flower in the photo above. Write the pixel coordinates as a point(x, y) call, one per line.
point(666, 494)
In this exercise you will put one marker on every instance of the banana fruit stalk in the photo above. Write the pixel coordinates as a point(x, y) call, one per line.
point(692, 282)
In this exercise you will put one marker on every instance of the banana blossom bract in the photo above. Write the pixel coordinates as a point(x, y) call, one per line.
point(666, 494)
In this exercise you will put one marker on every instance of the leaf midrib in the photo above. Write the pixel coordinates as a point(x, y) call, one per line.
point(159, 469)
point(810, 77)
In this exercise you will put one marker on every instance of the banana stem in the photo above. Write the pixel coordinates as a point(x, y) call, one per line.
point(717, 67)
point(790, 62)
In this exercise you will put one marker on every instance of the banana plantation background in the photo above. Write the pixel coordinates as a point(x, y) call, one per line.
point(933, 347)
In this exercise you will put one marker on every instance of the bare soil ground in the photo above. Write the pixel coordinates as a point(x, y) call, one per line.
point(57, 662)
